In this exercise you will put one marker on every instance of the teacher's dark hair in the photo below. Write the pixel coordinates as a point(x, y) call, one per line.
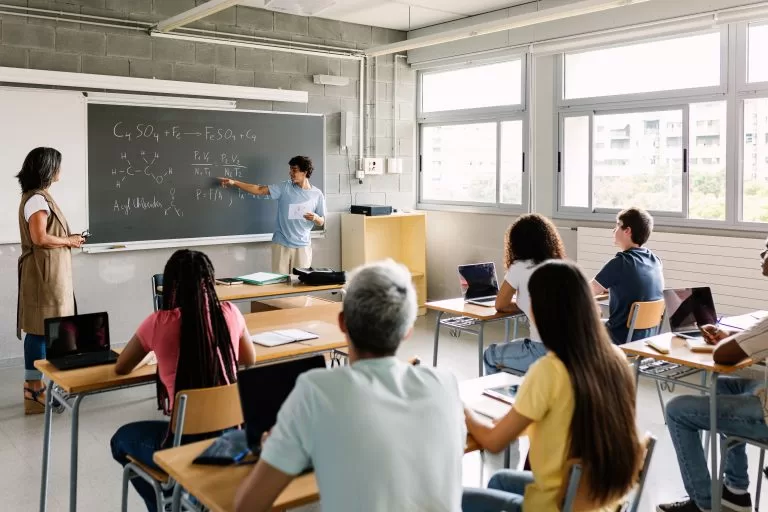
point(39, 169)
point(304, 163)
point(569, 325)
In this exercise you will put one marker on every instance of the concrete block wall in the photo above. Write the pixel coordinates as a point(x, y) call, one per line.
point(65, 46)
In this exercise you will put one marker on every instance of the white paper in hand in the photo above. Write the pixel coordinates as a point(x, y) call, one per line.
point(298, 210)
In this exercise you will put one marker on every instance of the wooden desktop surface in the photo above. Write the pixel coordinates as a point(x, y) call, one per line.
point(215, 486)
point(461, 308)
point(320, 320)
point(250, 291)
point(680, 354)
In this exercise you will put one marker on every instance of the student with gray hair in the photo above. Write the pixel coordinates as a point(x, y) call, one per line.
point(381, 434)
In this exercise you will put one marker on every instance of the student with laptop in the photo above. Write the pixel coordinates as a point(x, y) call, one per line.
point(382, 435)
point(564, 406)
point(530, 240)
point(633, 275)
point(198, 343)
point(742, 410)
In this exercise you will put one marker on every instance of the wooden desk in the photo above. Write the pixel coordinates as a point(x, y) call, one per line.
point(215, 486)
point(476, 316)
point(79, 384)
point(682, 355)
point(320, 320)
point(246, 292)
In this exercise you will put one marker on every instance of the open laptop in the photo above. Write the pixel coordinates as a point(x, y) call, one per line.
point(689, 308)
point(78, 341)
point(263, 389)
point(478, 283)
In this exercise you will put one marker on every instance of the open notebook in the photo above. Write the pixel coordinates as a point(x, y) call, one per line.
point(281, 337)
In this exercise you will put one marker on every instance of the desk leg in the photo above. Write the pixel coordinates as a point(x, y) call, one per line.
point(480, 348)
point(46, 448)
point(716, 505)
point(514, 332)
point(706, 435)
point(507, 457)
point(506, 329)
point(437, 337)
point(73, 449)
point(637, 373)
point(176, 500)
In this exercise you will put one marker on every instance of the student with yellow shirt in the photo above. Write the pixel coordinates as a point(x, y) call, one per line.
point(576, 402)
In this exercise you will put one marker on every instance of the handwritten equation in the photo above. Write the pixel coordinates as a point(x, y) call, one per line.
point(149, 132)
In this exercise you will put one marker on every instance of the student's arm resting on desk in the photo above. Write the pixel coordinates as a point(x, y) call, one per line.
point(261, 488)
point(246, 351)
point(130, 357)
point(733, 349)
point(495, 438)
point(597, 288)
point(608, 276)
point(504, 300)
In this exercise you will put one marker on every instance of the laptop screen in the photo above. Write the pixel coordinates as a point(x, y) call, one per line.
point(263, 389)
point(689, 307)
point(478, 280)
point(77, 334)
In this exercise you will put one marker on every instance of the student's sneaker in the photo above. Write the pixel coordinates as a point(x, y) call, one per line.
point(679, 506)
point(737, 502)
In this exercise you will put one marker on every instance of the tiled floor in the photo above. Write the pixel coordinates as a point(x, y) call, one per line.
point(101, 415)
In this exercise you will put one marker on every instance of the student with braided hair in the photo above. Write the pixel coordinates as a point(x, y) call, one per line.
point(198, 342)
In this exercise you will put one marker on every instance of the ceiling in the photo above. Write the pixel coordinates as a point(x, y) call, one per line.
point(394, 14)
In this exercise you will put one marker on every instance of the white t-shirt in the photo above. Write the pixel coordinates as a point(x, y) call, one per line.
point(35, 204)
point(381, 434)
point(517, 277)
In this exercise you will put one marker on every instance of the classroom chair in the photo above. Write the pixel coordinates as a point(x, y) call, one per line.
point(729, 442)
point(196, 411)
point(648, 315)
point(574, 490)
point(157, 291)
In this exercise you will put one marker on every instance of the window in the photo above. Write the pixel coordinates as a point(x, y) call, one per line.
point(491, 85)
point(472, 137)
point(672, 64)
point(755, 162)
point(706, 175)
point(757, 65)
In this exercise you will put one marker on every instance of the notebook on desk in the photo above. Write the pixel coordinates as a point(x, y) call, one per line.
point(264, 278)
point(282, 337)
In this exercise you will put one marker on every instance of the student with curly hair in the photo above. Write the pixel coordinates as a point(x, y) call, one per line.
point(530, 240)
point(291, 241)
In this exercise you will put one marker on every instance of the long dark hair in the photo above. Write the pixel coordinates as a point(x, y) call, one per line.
point(39, 169)
point(206, 356)
point(533, 237)
point(603, 433)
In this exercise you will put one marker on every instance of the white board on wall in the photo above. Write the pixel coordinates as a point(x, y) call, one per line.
point(36, 117)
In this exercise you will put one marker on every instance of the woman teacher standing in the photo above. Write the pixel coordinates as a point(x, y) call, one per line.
point(45, 265)
point(300, 207)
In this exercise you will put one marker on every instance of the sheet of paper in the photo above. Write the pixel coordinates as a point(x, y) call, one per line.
point(298, 210)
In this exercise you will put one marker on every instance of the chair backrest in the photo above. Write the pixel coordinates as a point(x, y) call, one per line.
point(574, 490)
point(157, 291)
point(199, 411)
point(645, 315)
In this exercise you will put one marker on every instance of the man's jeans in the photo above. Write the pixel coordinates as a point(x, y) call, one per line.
point(739, 413)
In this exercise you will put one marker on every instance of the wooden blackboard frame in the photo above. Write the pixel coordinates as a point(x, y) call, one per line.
point(199, 241)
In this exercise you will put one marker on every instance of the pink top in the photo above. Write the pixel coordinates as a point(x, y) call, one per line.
point(161, 332)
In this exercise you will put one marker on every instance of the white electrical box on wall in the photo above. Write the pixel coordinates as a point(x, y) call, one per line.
point(394, 165)
point(347, 133)
point(373, 165)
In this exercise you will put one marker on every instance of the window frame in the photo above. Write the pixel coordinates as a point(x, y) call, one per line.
point(739, 188)
point(497, 114)
point(742, 61)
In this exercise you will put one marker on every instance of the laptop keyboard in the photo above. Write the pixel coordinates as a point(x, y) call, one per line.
point(90, 358)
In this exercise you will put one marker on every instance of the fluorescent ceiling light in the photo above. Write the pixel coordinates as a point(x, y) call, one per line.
point(120, 83)
point(522, 20)
point(299, 7)
point(195, 14)
point(166, 101)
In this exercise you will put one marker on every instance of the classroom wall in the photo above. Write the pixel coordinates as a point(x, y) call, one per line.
point(120, 282)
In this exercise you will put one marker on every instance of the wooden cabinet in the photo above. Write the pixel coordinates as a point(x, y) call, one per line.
point(400, 236)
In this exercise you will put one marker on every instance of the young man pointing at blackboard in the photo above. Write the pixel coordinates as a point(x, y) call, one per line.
point(300, 207)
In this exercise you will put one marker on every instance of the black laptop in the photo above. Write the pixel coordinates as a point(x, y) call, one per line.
point(479, 284)
point(688, 309)
point(263, 389)
point(78, 341)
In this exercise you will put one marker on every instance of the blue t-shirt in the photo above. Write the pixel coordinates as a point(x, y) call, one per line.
point(634, 275)
point(292, 229)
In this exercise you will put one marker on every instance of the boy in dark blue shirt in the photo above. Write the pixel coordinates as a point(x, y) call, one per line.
point(633, 275)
